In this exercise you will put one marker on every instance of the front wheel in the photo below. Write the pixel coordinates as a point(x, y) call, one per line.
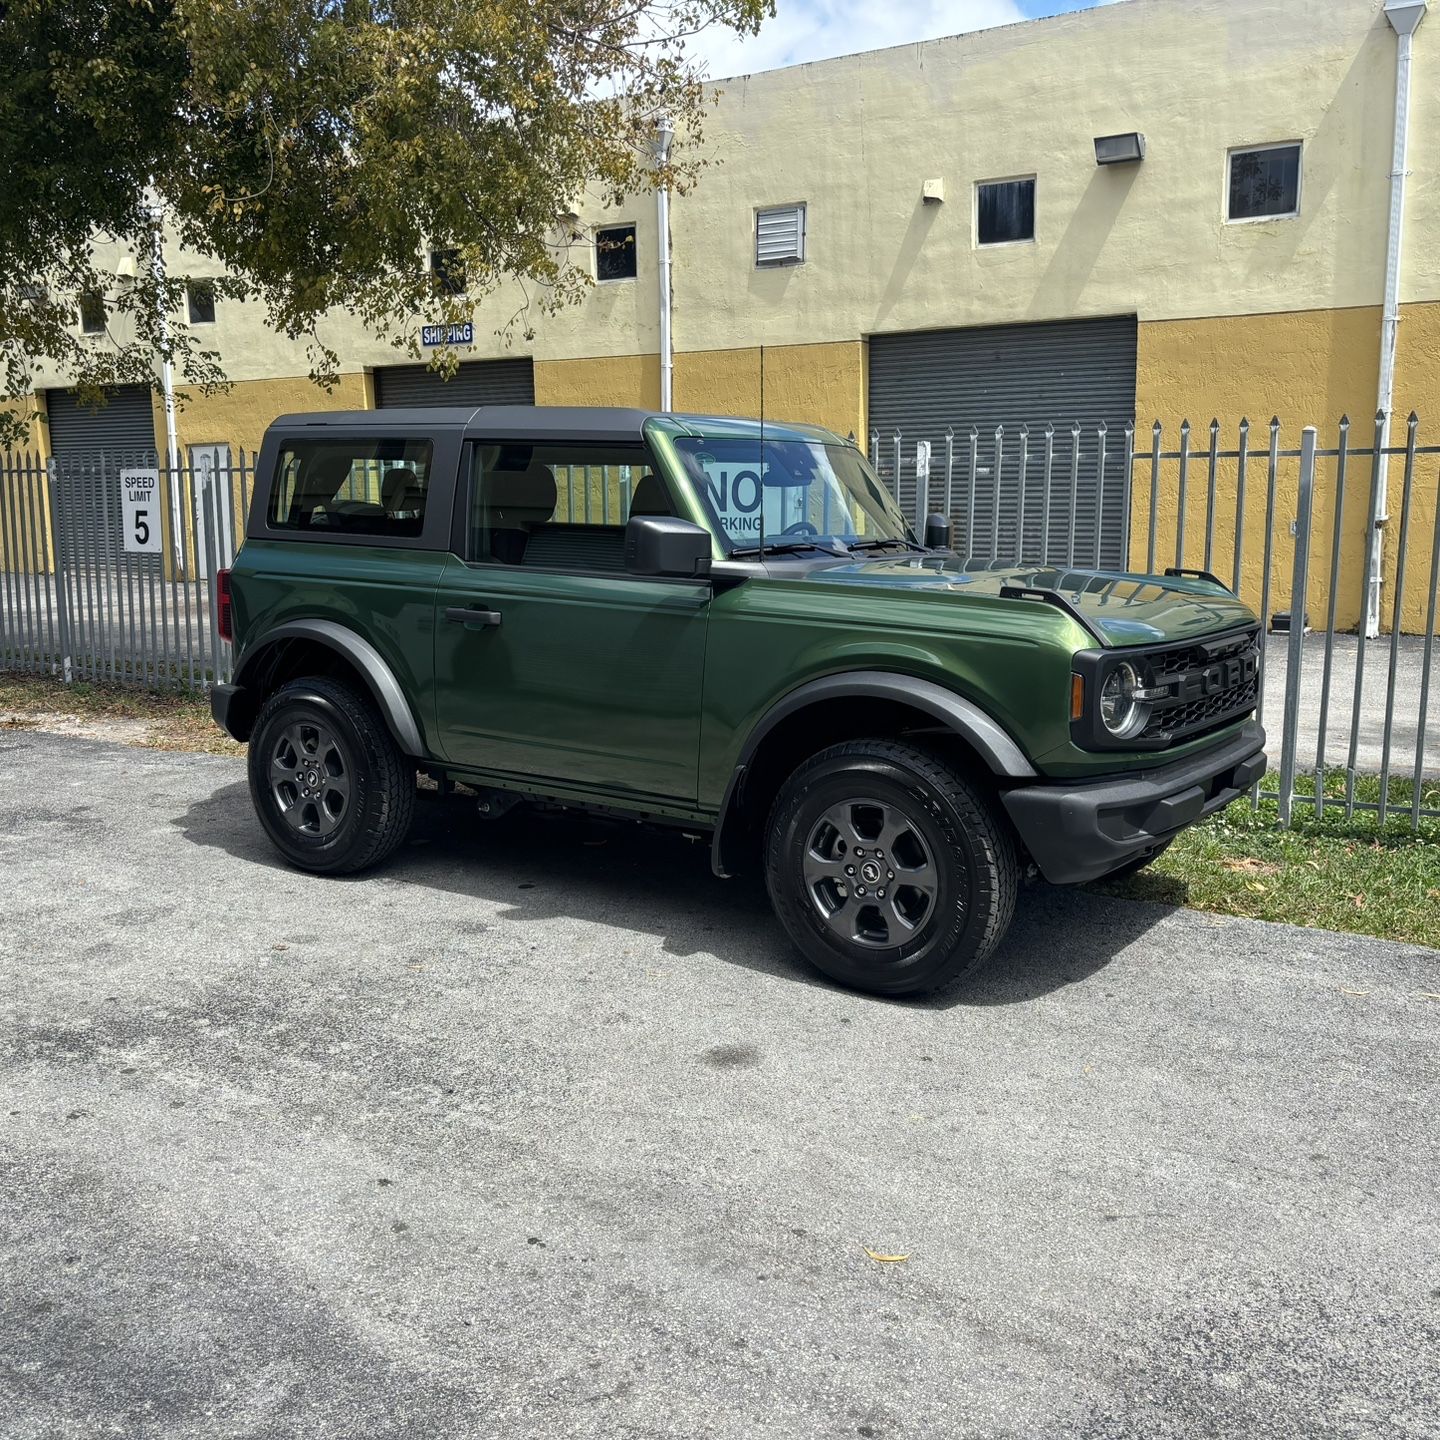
point(329, 783)
point(888, 868)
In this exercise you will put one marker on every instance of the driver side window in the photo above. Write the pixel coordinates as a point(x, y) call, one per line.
point(559, 507)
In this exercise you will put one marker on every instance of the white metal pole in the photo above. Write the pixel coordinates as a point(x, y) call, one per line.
point(1405, 17)
point(167, 386)
point(664, 135)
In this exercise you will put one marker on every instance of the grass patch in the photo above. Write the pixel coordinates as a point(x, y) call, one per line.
point(159, 720)
point(1334, 873)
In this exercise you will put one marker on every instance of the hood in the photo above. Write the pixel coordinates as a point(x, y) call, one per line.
point(1121, 608)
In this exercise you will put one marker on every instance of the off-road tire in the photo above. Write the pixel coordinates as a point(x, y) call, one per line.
point(964, 837)
point(380, 804)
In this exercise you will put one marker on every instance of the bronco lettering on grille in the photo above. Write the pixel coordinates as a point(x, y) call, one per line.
point(1224, 675)
point(1205, 690)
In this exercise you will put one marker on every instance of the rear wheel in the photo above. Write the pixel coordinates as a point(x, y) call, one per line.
point(329, 783)
point(888, 868)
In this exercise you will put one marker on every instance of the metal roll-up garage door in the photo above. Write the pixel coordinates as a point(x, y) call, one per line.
point(477, 382)
point(90, 448)
point(1008, 377)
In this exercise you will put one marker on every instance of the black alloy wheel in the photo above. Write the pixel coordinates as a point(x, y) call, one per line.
point(310, 778)
point(890, 868)
point(331, 787)
point(869, 873)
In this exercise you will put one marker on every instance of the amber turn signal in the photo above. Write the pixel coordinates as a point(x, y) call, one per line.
point(1077, 697)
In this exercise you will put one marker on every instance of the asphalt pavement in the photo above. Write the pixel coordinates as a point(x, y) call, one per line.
point(542, 1132)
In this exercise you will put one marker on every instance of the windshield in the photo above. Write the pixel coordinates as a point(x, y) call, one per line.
point(811, 492)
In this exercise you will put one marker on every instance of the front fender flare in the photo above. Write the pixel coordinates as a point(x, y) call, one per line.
point(370, 664)
point(990, 740)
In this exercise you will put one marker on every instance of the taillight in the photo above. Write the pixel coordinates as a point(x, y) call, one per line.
point(224, 609)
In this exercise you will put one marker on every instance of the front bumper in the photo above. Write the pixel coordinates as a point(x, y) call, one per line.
point(1080, 830)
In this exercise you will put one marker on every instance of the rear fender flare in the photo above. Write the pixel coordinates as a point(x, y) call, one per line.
point(368, 662)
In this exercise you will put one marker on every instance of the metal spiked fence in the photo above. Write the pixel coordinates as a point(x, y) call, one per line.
point(1304, 533)
point(79, 602)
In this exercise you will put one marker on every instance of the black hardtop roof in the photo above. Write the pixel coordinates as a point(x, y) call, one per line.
point(547, 422)
point(561, 422)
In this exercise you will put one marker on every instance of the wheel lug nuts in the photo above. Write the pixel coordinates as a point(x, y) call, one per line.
point(860, 890)
point(880, 894)
point(849, 869)
point(889, 874)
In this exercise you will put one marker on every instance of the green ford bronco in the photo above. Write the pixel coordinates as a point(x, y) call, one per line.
point(725, 627)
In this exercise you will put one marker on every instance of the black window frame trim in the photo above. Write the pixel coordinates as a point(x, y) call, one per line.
point(464, 488)
point(99, 297)
point(600, 230)
point(1298, 145)
point(441, 276)
point(444, 467)
point(198, 284)
point(1032, 238)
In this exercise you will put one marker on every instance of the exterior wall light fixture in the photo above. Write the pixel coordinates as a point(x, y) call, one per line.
point(1124, 149)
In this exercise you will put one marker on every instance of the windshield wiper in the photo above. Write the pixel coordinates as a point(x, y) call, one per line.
point(784, 547)
point(880, 544)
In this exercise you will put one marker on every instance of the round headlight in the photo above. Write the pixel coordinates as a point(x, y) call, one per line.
point(1120, 712)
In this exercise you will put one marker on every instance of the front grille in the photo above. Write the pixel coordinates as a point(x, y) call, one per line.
point(1210, 684)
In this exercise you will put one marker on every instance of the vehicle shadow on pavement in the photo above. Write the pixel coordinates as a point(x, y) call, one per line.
point(623, 875)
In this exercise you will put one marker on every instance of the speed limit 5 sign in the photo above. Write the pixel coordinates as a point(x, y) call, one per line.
point(140, 510)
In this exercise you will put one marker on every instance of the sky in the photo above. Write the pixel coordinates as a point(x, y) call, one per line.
point(820, 29)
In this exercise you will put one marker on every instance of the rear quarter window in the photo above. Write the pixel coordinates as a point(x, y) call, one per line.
point(370, 486)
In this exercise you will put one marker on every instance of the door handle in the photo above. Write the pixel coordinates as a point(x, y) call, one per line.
point(460, 616)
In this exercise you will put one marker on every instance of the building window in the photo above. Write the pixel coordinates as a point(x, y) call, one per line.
point(780, 235)
point(92, 313)
point(447, 272)
point(615, 253)
point(1265, 182)
point(1005, 211)
point(200, 300)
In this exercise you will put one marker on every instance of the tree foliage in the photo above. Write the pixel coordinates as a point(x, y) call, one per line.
point(312, 153)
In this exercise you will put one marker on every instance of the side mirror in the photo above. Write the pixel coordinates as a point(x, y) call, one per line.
point(939, 535)
point(665, 545)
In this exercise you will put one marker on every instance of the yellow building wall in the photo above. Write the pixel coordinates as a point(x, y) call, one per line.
point(599, 380)
point(26, 544)
point(240, 415)
point(819, 384)
point(32, 411)
point(1304, 368)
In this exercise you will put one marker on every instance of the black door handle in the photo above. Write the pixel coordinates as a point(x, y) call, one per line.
point(472, 617)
